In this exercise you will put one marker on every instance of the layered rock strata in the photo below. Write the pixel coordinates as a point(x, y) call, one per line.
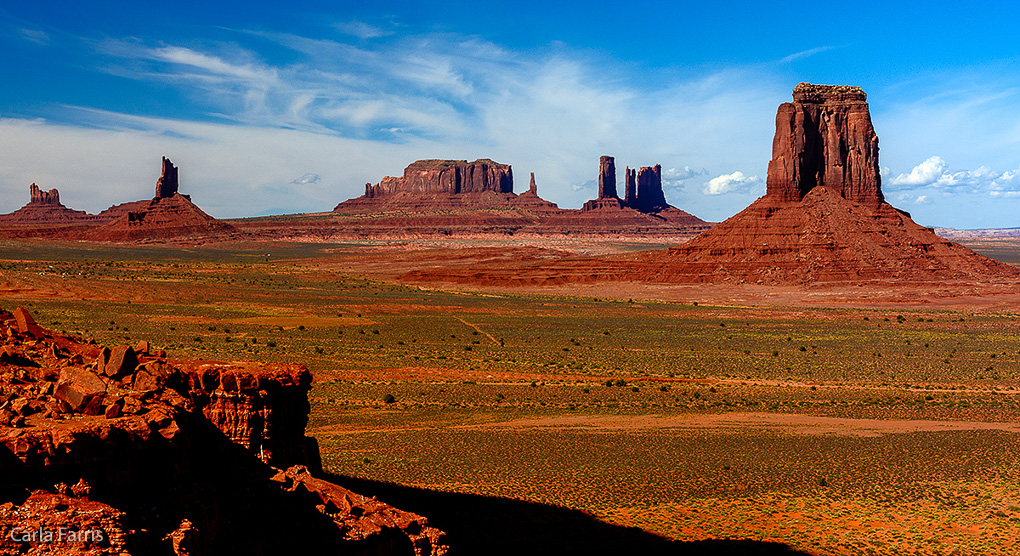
point(171, 456)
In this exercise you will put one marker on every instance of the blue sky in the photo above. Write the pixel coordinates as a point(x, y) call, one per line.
point(276, 108)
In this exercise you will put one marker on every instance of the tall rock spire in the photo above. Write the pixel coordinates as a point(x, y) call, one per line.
point(607, 178)
point(166, 185)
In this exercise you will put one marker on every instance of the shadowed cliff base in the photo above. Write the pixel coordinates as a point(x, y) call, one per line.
point(476, 525)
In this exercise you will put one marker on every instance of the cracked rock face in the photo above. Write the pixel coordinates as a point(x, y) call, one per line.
point(824, 138)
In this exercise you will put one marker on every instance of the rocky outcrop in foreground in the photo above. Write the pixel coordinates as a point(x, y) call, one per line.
point(169, 456)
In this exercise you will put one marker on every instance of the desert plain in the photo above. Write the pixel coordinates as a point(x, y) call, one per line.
point(872, 418)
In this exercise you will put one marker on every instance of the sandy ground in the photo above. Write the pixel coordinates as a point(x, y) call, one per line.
point(740, 423)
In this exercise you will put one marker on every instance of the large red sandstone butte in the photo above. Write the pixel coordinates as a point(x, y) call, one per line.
point(448, 176)
point(823, 217)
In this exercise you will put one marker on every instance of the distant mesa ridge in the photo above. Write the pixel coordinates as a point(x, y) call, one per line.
point(43, 210)
point(481, 194)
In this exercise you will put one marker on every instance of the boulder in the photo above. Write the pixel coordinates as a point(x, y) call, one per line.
point(26, 324)
point(123, 361)
point(82, 390)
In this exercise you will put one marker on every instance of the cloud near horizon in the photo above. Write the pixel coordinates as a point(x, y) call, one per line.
point(736, 182)
point(934, 173)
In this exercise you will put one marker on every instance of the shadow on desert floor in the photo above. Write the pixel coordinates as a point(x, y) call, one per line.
point(477, 525)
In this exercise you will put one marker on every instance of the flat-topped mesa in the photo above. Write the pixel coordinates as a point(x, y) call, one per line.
point(167, 184)
point(824, 138)
point(449, 177)
point(650, 197)
point(48, 198)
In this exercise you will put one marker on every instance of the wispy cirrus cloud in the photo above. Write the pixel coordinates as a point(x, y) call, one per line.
point(806, 53)
point(362, 30)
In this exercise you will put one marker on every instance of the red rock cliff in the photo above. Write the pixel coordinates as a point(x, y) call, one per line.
point(649, 189)
point(824, 138)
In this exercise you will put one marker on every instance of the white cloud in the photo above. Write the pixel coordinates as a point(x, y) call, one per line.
point(933, 173)
point(214, 65)
point(736, 182)
point(681, 174)
point(307, 179)
point(922, 200)
point(34, 35)
point(925, 173)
